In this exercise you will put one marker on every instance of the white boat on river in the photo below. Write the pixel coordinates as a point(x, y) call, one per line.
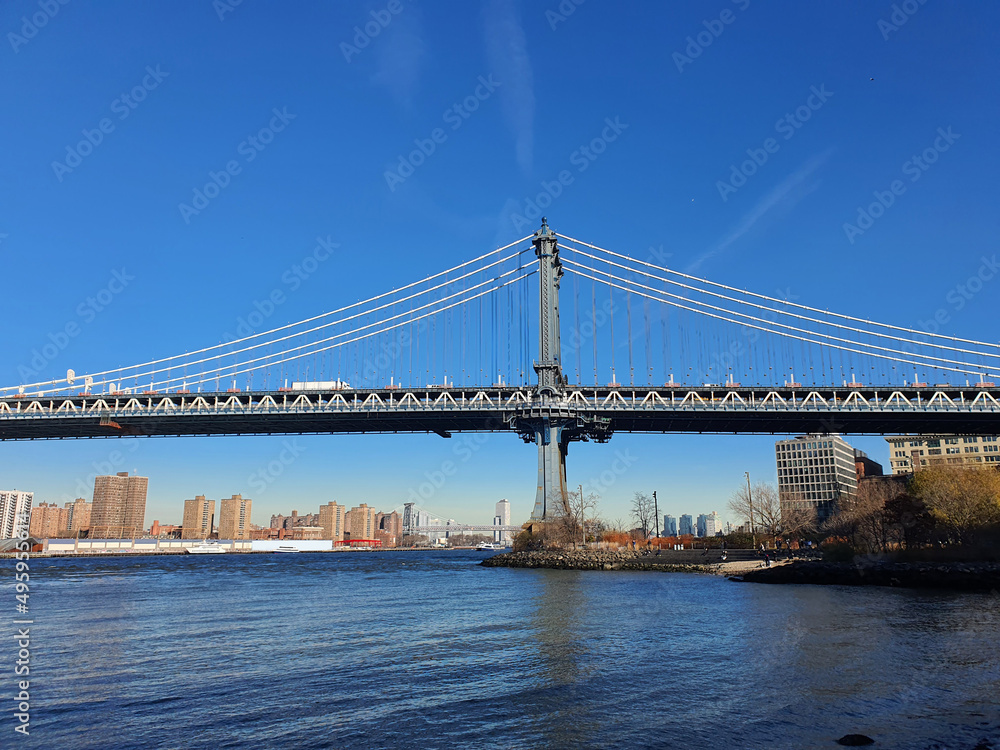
point(207, 548)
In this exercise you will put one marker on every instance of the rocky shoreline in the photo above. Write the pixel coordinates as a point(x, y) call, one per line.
point(605, 560)
point(742, 566)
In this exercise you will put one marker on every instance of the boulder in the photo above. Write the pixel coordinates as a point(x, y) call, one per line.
point(855, 740)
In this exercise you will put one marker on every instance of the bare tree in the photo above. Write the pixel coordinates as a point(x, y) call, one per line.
point(560, 532)
point(570, 528)
point(468, 540)
point(865, 520)
point(643, 512)
point(796, 518)
point(581, 508)
point(414, 540)
point(875, 517)
point(764, 512)
point(597, 526)
point(759, 508)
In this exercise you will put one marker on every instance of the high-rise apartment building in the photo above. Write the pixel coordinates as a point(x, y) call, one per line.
point(701, 525)
point(234, 517)
point(119, 508)
point(815, 473)
point(669, 526)
point(910, 453)
point(331, 520)
point(501, 517)
point(15, 512)
point(49, 521)
point(686, 525)
point(361, 522)
point(199, 518)
point(389, 528)
point(79, 517)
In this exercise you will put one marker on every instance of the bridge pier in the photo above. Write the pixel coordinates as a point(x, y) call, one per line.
point(551, 495)
point(552, 428)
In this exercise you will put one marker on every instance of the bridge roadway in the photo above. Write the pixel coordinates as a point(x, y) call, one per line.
point(443, 410)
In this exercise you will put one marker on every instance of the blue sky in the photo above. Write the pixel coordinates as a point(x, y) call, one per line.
point(107, 225)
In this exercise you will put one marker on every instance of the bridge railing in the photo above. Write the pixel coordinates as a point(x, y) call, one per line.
point(509, 399)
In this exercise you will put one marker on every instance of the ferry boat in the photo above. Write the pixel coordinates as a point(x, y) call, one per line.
point(490, 546)
point(207, 548)
point(285, 548)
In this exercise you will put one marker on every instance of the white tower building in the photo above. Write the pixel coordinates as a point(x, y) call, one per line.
point(15, 512)
point(501, 517)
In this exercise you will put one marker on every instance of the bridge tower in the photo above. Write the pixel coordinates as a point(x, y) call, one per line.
point(550, 422)
point(550, 271)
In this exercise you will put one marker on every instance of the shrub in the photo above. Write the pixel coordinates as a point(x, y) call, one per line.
point(839, 551)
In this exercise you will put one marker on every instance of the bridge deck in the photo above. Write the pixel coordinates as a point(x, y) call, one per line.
point(691, 409)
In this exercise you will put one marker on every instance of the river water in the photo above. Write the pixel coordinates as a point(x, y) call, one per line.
point(429, 650)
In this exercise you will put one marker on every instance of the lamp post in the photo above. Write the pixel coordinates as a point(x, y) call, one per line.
point(656, 511)
point(753, 536)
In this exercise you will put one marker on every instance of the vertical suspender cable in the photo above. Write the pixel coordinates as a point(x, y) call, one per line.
point(577, 337)
point(664, 332)
point(649, 364)
point(593, 314)
point(628, 318)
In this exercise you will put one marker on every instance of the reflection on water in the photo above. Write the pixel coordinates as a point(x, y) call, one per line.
point(431, 650)
point(564, 660)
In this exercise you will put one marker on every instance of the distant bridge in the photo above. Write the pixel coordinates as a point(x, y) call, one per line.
point(460, 528)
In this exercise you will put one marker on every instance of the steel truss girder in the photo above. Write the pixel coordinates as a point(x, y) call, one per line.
point(888, 410)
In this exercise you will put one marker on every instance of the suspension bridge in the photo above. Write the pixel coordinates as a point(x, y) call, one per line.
point(651, 349)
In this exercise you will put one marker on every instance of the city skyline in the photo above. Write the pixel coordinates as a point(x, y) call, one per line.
point(977, 450)
point(696, 478)
point(700, 525)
